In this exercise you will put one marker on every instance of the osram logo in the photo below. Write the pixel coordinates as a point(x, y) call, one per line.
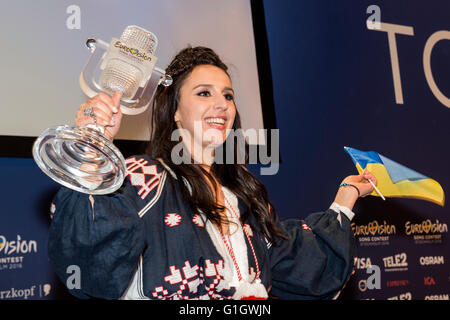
point(431, 260)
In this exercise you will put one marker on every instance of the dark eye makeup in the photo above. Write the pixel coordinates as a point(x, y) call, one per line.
point(206, 93)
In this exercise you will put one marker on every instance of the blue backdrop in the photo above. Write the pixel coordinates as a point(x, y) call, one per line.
point(333, 87)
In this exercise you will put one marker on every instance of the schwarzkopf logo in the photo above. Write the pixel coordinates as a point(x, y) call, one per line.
point(41, 290)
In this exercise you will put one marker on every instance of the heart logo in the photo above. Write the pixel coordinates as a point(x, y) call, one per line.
point(373, 227)
point(426, 226)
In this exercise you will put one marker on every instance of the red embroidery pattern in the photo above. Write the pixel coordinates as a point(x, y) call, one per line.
point(189, 278)
point(254, 275)
point(230, 249)
point(215, 270)
point(248, 230)
point(52, 210)
point(305, 226)
point(197, 219)
point(172, 219)
point(189, 273)
point(142, 175)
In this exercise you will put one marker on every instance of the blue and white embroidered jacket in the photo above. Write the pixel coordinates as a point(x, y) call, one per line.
point(144, 242)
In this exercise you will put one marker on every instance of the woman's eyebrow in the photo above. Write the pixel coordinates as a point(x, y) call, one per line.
point(211, 86)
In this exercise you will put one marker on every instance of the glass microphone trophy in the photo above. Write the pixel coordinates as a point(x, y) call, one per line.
point(83, 158)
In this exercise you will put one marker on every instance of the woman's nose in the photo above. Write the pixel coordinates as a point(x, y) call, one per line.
point(221, 103)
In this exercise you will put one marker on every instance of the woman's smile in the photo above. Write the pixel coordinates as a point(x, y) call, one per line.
point(217, 122)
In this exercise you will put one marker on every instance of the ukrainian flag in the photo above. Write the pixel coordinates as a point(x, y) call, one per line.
point(396, 180)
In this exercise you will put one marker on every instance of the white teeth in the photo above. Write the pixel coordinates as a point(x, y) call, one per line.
point(215, 120)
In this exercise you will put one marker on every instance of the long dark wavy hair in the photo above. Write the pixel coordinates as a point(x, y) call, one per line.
point(236, 177)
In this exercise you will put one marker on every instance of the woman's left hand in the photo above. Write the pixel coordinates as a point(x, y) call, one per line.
point(347, 196)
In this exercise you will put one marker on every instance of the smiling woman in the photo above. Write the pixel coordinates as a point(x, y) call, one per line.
point(197, 229)
point(207, 103)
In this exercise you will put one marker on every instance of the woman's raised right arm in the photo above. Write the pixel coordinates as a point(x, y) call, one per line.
point(95, 241)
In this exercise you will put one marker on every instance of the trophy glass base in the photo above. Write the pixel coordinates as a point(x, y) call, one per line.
point(80, 158)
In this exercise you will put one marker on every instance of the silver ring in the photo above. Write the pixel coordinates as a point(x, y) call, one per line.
point(89, 111)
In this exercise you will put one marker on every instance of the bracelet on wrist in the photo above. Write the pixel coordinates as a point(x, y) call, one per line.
point(345, 184)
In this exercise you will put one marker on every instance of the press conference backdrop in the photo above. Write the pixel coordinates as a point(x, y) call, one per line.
point(334, 87)
point(335, 82)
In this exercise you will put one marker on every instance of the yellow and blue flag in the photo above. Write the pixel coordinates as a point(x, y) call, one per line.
point(396, 180)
